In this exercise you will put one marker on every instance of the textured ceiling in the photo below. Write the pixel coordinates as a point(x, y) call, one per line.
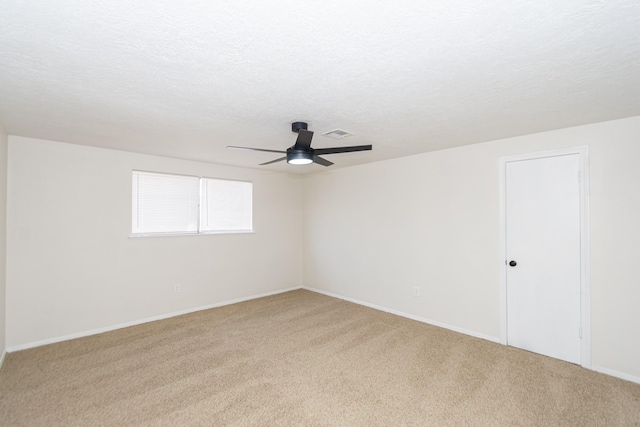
point(185, 79)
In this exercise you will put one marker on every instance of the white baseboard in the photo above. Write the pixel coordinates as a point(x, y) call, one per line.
point(141, 321)
point(408, 316)
point(616, 374)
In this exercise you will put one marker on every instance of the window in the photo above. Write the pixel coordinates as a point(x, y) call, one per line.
point(225, 205)
point(164, 204)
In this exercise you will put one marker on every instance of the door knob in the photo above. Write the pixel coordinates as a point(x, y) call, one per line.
point(512, 263)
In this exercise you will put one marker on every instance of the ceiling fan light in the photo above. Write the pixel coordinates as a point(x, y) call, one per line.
point(299, 161)
point(300, 158)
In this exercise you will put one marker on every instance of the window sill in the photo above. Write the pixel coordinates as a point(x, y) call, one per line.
point(202, 233)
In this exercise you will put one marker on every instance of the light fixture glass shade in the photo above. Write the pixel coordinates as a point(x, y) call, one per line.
point(300, 161)
point(300, 158)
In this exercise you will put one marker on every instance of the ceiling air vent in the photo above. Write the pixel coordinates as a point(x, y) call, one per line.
point(337, 134)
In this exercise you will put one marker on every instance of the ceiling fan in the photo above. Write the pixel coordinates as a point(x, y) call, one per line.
point(301, 152)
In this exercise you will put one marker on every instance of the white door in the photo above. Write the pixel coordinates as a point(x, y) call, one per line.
point(542, 202)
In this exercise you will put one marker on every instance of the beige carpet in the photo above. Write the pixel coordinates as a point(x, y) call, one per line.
point(302, 358)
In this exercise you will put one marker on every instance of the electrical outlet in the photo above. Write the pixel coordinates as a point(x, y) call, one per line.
point(416, 291)
point(176, 288)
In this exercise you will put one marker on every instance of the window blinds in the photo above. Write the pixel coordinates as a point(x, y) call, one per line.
point(179, 204)
point(226, 205)
point(164, 203)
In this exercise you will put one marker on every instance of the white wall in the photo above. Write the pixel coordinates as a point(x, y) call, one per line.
point(375, 231)
point(3, 241)
point(71, 267)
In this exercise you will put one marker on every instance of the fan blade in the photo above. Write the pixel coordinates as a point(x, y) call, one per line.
point(274, 161)
point(304, 140)
point(319, 160)
point(335, 150)
point(256, 149)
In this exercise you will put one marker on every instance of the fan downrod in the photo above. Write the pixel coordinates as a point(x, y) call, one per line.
point(296, 126)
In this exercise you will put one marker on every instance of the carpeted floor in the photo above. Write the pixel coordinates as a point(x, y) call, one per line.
point(301, 358)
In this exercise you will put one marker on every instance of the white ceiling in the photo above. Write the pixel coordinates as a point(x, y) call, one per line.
point(186, 79)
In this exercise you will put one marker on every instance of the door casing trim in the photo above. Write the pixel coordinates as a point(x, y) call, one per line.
point(585, 299)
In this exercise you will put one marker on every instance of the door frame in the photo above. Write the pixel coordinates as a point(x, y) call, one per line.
point(585, 300)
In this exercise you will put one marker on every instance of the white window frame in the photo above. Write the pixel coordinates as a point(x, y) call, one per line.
point(199, 231)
